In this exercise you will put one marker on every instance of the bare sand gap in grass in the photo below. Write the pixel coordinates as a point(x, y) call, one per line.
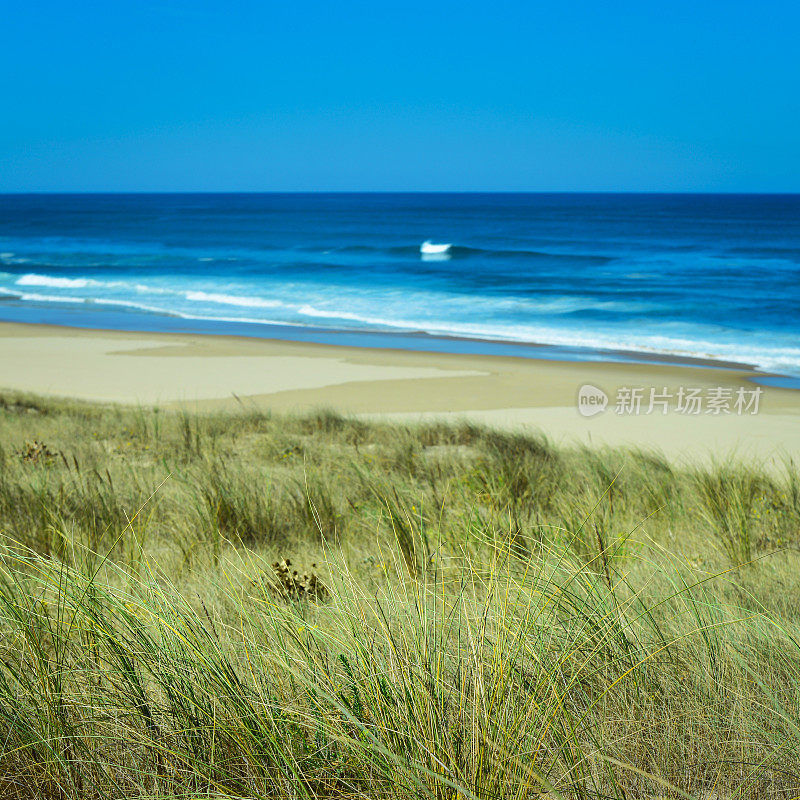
point(206, 372)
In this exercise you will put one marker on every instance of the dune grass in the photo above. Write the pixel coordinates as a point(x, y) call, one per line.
point(474, 614)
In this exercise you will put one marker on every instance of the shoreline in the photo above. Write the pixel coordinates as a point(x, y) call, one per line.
point(213, 372)
point(415, 341)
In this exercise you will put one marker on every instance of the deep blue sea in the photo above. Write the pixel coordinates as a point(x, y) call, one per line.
point(709, 276)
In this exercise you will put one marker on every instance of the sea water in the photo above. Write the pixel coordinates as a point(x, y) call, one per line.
point(587, 275)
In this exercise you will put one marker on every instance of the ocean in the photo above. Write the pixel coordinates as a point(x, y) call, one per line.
point(582, 276)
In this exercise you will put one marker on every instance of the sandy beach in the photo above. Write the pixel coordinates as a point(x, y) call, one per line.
point(211, 372)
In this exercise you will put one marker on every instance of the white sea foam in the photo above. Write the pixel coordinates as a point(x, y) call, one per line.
point(100, 301)
point(767, 358)
point(244, 320)
point(49, 298)
point(33, 279)
point(232, 300)
point(55, 283)
point(702, 342)
point(143, 288)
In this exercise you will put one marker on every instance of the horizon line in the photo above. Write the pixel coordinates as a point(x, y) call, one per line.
point(11, 193)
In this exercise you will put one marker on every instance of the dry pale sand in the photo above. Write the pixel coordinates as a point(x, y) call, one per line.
point(208, 372)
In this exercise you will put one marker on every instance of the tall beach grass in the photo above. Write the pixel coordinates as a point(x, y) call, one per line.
point(474, 614)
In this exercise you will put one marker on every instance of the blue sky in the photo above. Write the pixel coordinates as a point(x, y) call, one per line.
point(192, 95)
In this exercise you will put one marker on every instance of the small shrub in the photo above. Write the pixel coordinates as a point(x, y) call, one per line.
point(290, 585)
point(37, 452)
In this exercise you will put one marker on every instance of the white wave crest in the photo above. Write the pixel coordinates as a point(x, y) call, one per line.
point(143, 288)
point(49, 298)
point(138, 307)
point(32, 279)
point(56, 283)
point(775, 358)
point(232, 300)
point(780, 355)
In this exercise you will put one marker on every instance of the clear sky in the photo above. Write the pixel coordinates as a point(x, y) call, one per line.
point(195, 95)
